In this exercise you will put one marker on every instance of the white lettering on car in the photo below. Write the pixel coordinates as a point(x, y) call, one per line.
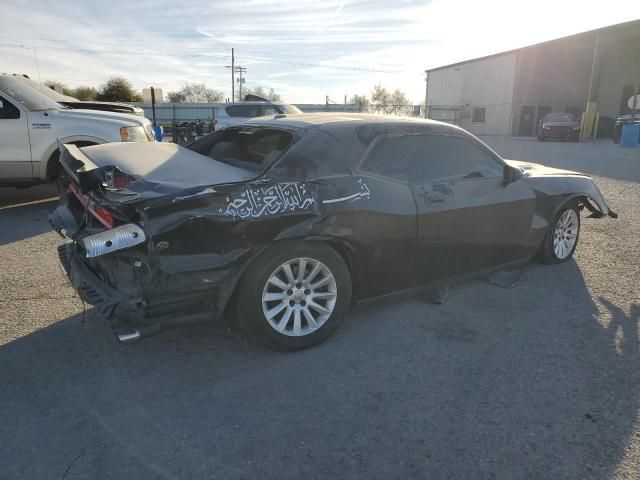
point(363, 193)
point(259, 201)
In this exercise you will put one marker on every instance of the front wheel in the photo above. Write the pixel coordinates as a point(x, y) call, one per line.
point(562, 238)
point(294, 296)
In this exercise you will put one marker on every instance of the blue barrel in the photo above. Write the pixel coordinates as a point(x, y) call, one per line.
point(630, 135)
point(157, 129)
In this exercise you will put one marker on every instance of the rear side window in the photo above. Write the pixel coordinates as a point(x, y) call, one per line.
point(389, 157)
point(269, 110)
point(247, 111)
point(8, 110)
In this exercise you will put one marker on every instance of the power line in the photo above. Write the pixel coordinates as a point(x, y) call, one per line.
point(246, 49)
point(266, 58)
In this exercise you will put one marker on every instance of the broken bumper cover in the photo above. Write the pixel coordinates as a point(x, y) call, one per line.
point(125, 312)
point(110, 302)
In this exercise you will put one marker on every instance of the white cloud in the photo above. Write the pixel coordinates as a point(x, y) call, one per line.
point(305, 49)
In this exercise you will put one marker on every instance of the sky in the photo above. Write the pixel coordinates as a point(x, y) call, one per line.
point(304, 49)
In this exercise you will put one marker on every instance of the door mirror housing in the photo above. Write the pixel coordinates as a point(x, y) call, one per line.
point(1, 104)
point(510, 174)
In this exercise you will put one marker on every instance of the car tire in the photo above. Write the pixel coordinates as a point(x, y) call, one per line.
point(561, 239)
point(287, 311)
point(541, 139)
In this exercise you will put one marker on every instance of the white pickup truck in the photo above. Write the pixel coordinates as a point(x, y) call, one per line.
point(31, 125)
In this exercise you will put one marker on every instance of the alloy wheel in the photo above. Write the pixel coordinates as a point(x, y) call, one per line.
point(565, 234)
point(299, 297)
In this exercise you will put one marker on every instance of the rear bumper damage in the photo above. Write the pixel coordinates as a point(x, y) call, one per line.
point(132, 317)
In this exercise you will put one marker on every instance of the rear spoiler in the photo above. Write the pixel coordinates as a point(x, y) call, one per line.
point(79, 167)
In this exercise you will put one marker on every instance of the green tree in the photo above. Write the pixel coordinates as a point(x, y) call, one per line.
point(118, 89)
point(362, 102)
point(84, 93)
point(195, 93)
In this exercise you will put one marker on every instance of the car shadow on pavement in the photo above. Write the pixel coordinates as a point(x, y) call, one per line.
point(27, 208)
point(533, 382)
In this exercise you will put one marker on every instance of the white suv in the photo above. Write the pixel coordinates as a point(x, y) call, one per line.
point(31, 125)
point(231, 113)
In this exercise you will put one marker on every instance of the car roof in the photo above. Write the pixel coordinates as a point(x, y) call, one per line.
point(307, 121)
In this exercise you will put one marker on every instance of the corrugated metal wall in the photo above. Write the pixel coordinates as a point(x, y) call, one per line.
point(486, 83)
point(553, 77)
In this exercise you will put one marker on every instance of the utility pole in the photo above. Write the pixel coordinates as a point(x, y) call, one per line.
point(233, 76)
point(241, 80)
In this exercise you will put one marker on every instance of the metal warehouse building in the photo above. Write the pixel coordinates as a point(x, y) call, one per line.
point(591, 75)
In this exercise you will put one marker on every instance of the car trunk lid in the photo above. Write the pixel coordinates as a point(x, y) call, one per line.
point(154, 169)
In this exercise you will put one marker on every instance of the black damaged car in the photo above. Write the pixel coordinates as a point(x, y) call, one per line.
point(284, 223)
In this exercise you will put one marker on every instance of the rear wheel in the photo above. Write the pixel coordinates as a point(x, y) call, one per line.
point(294, 296)
point(562, 238)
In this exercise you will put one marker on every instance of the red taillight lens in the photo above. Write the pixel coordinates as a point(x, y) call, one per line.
point(116, 180)
point(102, 214)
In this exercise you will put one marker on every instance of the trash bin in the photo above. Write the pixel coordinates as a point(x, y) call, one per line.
point(630, 135)
point(157, 129)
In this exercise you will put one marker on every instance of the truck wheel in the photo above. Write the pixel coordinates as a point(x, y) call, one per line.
point(294, 296)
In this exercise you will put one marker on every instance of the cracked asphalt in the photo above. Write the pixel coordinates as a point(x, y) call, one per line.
point(537, 381)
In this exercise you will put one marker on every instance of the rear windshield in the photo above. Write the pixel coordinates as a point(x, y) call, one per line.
point(250, 147)
point(559, 117)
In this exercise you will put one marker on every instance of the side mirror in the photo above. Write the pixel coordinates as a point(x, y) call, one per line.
point(510, 174)
point(1, 104)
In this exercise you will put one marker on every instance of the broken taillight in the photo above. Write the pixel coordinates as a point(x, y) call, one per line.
point(103, 215)
point(116, 180)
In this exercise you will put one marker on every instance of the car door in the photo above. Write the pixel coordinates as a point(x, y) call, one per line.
point(15, 151)
point(386, 225)
point(468, 219)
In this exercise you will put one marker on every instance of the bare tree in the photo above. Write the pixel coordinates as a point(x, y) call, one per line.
point(55, 85)
point(270, 95)
point(362, 102)
point(195, 93)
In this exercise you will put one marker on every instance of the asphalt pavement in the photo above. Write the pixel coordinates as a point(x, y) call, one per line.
point(539, 381)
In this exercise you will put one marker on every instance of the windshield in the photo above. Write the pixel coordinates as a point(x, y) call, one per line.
point(30, 98)
point(250, 147)
point(559, 117)
point(49, 92)
point(289, 109)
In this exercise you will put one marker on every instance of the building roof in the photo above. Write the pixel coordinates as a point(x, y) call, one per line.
point(576, 35)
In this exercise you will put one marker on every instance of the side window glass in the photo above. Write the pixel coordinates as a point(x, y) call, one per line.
point(389, 157)
point(442, 157)
point(247, 111)
point(8, 110)
point(269, 110)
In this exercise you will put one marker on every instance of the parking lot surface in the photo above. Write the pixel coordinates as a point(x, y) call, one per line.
point(538, 381)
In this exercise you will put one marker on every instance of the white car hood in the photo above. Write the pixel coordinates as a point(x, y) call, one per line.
point(124, 118)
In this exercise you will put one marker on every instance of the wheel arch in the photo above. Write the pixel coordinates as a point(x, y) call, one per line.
point(51, 154)
point(344, 249)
